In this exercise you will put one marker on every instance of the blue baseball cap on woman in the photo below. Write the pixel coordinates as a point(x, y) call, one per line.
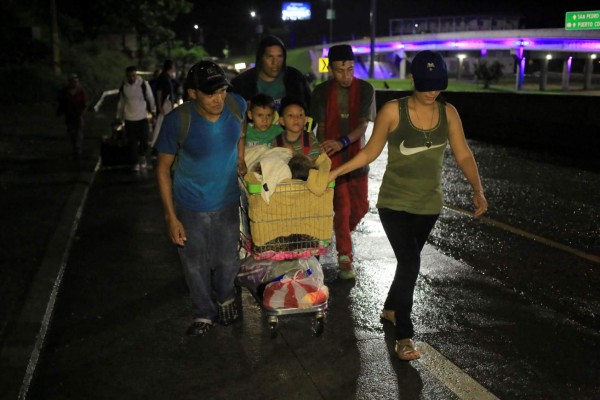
point(429, 72)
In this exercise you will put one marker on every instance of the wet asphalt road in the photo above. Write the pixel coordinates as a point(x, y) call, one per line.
point(513, 301)
point(519, 314)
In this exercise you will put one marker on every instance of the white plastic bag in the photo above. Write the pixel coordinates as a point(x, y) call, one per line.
point(301, 287)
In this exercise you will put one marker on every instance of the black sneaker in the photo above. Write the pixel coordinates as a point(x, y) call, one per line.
point(199, 328)
point(228, 312)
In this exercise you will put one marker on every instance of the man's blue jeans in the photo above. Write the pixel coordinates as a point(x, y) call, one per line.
point(210, 257)
point(407, 234)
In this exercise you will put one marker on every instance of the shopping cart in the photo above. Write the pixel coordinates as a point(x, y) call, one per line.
point(294, 224)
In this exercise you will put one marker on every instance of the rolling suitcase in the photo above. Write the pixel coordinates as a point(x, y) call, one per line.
point(114, 149)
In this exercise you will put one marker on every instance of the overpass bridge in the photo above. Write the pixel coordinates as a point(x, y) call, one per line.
point(523, 51)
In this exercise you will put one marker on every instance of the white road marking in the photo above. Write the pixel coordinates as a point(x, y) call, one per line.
point(461, 384)
point(521, 232)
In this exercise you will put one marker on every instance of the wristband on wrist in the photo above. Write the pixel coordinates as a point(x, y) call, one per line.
point(345, 141)
point(478, 192)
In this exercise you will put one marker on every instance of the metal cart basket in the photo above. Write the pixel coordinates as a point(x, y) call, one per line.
point(295, 223)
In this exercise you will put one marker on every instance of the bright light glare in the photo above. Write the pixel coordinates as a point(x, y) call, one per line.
point(548, 56)
point(196, 26)
point(239, 66)
point(253, 14)
point(461, 56)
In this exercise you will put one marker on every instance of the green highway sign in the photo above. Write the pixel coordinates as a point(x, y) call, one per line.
point(582, 20)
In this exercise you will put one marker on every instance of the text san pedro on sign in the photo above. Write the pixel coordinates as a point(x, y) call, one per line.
point(582, 20)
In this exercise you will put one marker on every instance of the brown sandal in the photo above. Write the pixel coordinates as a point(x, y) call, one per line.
point(406, 350)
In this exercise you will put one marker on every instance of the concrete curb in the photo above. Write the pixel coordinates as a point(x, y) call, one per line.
point(22, 348)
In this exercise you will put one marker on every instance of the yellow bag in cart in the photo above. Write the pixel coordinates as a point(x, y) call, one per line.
point(298, 214)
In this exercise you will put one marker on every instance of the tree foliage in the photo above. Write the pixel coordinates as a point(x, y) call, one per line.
point(147, 18)
point(20, 38)
point(81, 21)
point(25, 41)
point(185, 56)
point(489, 74)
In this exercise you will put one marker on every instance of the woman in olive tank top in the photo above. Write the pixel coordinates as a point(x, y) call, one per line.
point(417, 130)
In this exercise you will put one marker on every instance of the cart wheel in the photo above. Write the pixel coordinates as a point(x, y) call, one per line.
point(319, 324)
point(273, 325)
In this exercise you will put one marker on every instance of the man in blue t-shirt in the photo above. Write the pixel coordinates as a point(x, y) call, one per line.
point(201, 197)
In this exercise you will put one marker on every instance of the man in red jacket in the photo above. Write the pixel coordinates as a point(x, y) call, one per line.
point(342, 106)
point(72, 103)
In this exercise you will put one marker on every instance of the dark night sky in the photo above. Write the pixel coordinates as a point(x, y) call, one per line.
point(229, 22)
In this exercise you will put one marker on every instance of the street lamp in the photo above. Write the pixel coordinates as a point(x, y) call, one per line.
point(373, 21)
point(461, 57)
point(259, 27)
point(330, 16)
point(544, 73)
point(198, 38)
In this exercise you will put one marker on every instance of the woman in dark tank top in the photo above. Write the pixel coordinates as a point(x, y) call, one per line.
point(417, 130)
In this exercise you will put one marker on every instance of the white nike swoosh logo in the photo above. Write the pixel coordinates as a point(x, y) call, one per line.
point(409, 151)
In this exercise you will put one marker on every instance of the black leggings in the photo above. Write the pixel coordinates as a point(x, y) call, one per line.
point(407, 234)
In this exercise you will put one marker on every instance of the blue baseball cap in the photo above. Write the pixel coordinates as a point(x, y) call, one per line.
point(429, 71)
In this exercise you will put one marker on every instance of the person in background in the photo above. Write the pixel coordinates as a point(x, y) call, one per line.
point(271, 75)
point(416, 129)
point(201, 197)
point(294, 136)
point(154, 82)
point(135, 102)
point(342, 107)
point(166, 96)
point(261, 130)
point(165, 88)
point(72, 103)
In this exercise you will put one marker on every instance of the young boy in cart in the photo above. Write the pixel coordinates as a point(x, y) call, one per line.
point(261, 130)
point(295, 136)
